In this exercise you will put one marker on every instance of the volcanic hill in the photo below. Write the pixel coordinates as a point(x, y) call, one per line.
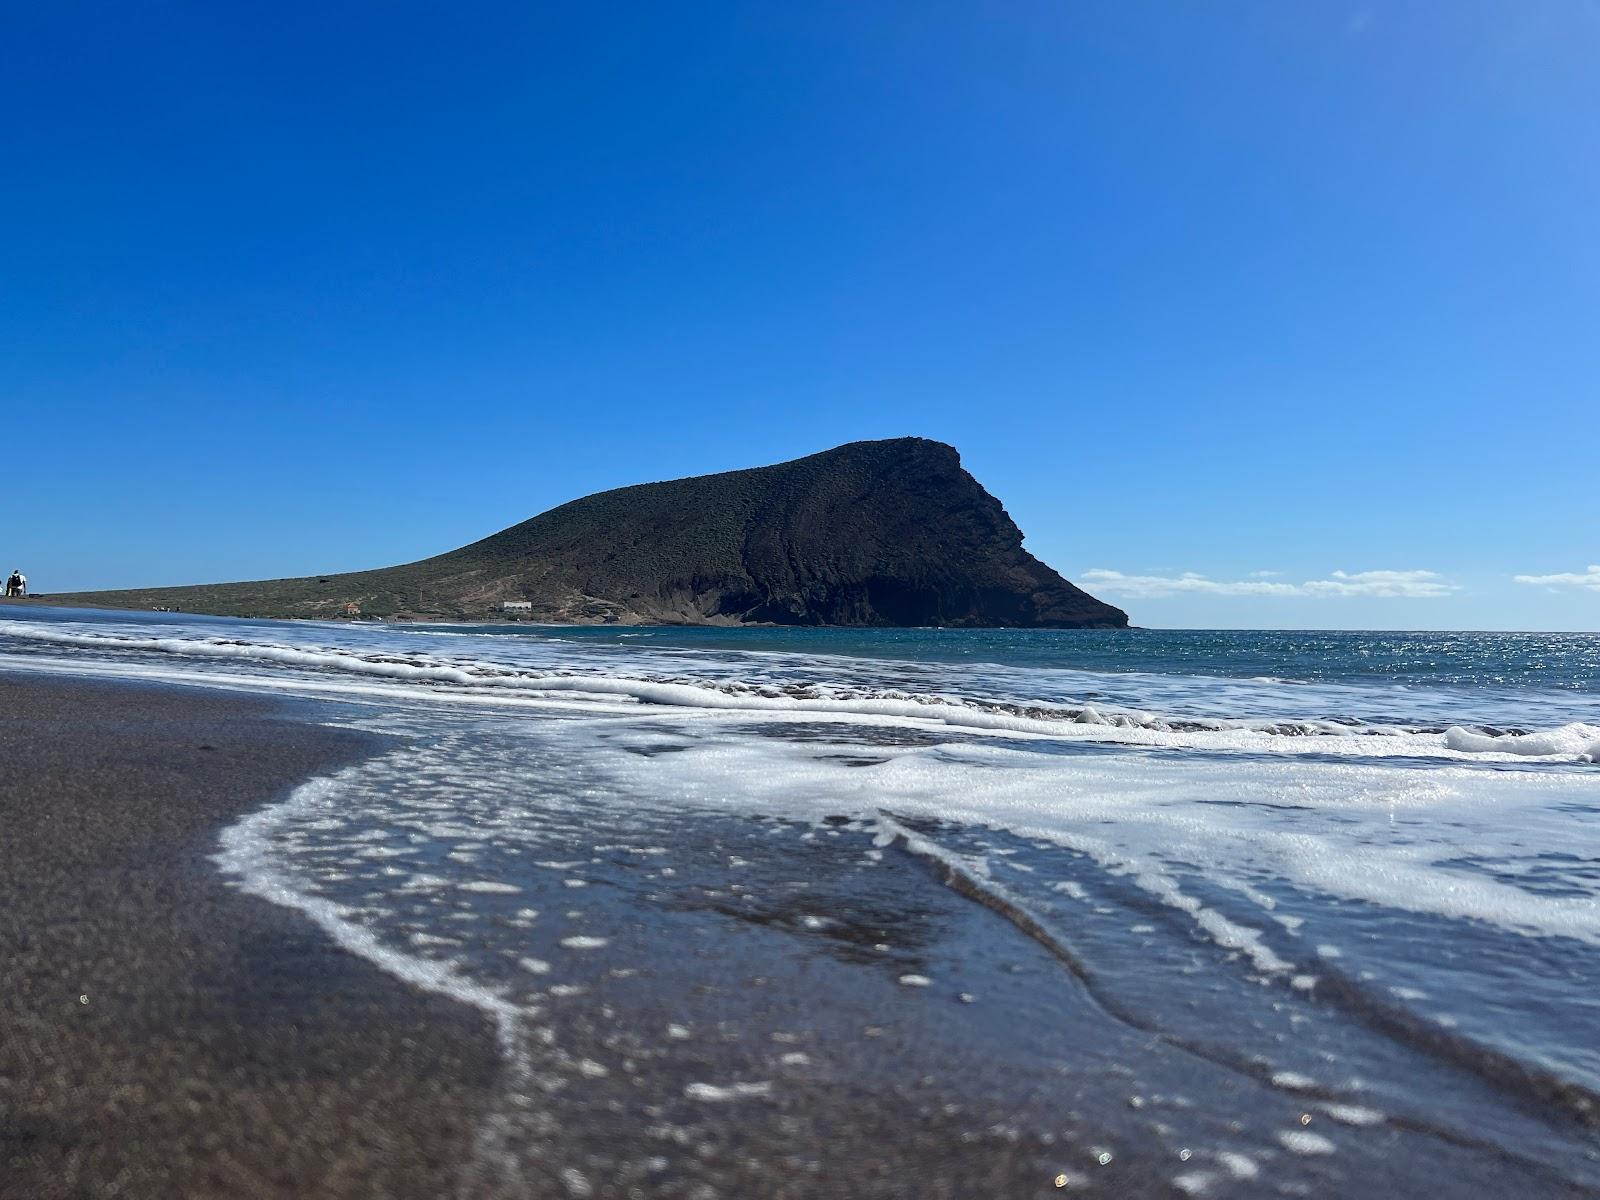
point(870, 533)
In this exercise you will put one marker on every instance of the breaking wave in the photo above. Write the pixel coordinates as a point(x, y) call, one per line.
point(1343, 735)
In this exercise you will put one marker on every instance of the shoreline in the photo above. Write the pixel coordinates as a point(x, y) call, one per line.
point(231, 1048)
point(659, 1000)
point(167, 1034)
point(72, 601)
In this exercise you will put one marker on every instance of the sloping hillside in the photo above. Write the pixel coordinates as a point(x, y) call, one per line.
point(871, 533)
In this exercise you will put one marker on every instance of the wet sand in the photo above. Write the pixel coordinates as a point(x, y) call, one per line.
point(162, 1035)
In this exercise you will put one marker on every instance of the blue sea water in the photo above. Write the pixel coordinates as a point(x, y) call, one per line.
point(1537, 661)
point(1309, 913)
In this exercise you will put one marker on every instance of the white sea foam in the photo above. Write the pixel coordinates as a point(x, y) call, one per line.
point(245, 853)
point(1131, 815)
point(1240, 1166)
point(1353, 1114)
point(713, 1093)
point(1577, 741)
point(1301, 1141)
point(1015, 717)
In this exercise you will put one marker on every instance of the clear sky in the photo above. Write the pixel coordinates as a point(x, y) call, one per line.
point(1234, 305)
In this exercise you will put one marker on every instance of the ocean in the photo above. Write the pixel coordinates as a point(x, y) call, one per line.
point(1238, 913)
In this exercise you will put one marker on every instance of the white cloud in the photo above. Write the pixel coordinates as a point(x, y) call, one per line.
point(1117, 583)
point(1407, 585)
point(1587, 579)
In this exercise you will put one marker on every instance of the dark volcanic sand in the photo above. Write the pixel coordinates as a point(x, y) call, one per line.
point(229, 1049)
point(226, 1048)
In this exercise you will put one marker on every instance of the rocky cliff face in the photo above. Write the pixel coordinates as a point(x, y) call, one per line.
point(870, 533)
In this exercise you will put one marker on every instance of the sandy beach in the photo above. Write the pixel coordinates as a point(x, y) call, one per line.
point(162, 1035)
point(165, 1035)
point(535, 951)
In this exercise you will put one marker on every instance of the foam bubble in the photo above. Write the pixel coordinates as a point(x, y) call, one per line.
point(1293, 1081)
point(1240, 1166)
point(1353, 1114)
point(1301, 1141)
point(713, 1093)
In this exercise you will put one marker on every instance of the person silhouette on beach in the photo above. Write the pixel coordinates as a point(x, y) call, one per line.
point(17, 585)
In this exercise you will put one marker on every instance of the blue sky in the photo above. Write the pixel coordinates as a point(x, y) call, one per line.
point(1251, 313)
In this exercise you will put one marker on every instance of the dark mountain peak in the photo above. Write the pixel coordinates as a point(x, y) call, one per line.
point(910, 449)
point(891, 532)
